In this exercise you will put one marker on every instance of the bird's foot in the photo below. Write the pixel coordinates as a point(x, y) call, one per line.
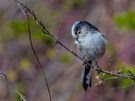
point(98, 69)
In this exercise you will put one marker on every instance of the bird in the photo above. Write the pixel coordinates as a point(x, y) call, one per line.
point(91, 45)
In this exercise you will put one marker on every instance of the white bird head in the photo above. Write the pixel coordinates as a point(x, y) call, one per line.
point(81, 29)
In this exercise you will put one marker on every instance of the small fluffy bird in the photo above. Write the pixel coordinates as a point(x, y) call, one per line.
point(91, 45)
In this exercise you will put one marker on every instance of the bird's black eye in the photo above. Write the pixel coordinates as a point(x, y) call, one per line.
point(78, 32)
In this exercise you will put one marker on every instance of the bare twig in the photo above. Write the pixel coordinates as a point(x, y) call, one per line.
point(8, 82)
point(31, 44)
point(25, 12)
point(45, 31)
point(116, 74)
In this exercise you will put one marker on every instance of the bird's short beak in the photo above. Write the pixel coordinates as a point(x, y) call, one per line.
point(76, 41)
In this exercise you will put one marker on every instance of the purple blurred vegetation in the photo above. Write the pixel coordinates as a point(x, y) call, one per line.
point(114, 18)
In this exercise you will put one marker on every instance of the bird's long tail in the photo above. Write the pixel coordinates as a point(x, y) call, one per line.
point(86, 76)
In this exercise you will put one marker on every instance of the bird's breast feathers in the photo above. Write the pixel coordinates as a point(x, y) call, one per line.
point(92, 46)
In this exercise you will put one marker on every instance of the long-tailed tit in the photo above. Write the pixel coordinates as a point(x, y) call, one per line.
point(91, 45)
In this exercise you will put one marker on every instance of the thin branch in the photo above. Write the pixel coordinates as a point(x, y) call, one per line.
point(115, 74)
point(45, 31)
point(11, 85)
point(34, 52)
point(111, 78)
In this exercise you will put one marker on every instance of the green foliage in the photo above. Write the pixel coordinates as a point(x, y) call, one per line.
point(17, 97)
point(65, 58)
point(125, 83)
point(7, 33)
point(14, 29)
point(126, 20)
point(80, 3)
point(37, 35)
point(48, 39)
point(68, 4)
point(125, 68)
point(122, 82)
point(21, 89)
point(19, 26)
point(41, 36)
point(25, 65)
point(51, 53)
point(12, 75)
point(107, 79)
point(111, 48)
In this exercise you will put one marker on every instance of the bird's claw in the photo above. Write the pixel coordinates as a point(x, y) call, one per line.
point(98, 70)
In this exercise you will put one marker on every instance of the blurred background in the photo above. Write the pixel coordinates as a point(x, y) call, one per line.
point(114, 18)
